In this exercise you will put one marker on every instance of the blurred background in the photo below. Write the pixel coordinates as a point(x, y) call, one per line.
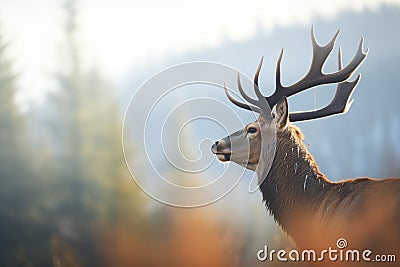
point(68, 69)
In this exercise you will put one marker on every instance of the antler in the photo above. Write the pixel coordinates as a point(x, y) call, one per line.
point(259, 105)
point(339, 104)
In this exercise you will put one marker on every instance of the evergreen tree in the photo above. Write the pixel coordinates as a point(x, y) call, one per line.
point(97, 194)
point(15, 170)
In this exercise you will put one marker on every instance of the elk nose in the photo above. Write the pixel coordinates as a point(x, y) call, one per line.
point(216, 143)
point(214, 147)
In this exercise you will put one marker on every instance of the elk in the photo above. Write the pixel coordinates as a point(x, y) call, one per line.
point(313, 210)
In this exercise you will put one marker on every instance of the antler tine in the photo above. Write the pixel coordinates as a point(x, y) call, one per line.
point(260, 105)
point(244, 95)
point(340, 103)
point(278, 82)
point(340, 65)
point(256, 79)
point(260, 102)
point(318, 61)
point(315, 76)
point(240, 104)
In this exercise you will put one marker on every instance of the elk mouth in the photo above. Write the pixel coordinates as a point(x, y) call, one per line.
point(221, 155)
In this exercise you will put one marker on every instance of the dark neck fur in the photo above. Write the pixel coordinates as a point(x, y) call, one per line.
point(294, 183)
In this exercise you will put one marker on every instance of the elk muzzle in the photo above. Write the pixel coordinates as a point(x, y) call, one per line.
point(222, 149)
point(241, 147)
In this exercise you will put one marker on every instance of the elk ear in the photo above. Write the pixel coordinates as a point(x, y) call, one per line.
point(282, 113)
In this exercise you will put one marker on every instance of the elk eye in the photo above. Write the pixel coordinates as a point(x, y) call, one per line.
point(251, 130)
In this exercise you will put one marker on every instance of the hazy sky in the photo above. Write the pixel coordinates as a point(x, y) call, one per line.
point(120, 34)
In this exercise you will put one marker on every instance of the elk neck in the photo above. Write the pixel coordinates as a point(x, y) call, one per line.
point(294, 183)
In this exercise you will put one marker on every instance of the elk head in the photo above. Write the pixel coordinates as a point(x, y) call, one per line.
point(254, 146)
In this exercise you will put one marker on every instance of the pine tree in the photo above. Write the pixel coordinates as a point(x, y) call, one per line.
point(15, 168)
point(98, 194)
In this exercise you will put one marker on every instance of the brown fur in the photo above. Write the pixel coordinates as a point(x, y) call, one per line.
point(316, 212)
